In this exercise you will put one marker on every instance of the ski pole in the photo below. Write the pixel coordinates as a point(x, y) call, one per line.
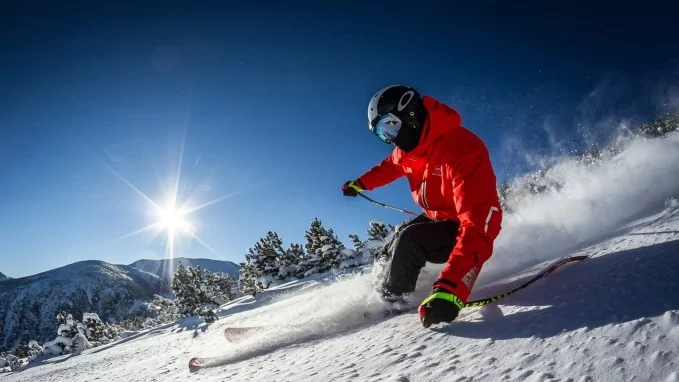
point(540, 275)
point(375, 202)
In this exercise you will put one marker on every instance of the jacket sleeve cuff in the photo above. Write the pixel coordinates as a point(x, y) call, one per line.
point(444, 285)
point(360, 184)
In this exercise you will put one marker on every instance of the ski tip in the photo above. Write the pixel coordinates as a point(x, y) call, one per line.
point(196, 363)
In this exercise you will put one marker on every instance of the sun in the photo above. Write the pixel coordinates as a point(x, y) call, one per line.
point(173, 219)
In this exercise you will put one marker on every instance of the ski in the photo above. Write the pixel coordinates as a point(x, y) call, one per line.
point(236, 334)
point(551, 268)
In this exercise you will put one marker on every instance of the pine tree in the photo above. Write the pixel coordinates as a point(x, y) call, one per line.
point(289, 261)
point(377, 230)
point(323, 250)
point(163, 310)
point(96, 330)
point(67, 325)
point(261, 264)
point(331, 250)
point(71, 336)
point(185, 289)
point(189, 287)
point(12, 361)
point(35, 350)
point(219, 287)
point(247, 280)
point(271, 253)
point(295, 255)
point(310, 263)
point(358, 244)
point(21, 351)
point(313, 236)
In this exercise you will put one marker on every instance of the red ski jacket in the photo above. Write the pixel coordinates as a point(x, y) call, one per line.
point(452, 178)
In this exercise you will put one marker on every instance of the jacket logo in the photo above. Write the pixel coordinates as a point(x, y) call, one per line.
point(470, 277)
point(437, 171)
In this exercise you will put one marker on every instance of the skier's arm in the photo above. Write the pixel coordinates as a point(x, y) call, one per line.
point(478, 208)
point(384, 173)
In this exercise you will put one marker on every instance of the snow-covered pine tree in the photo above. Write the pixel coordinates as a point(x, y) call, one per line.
point(378, 230)
point(272, 255)
point(97, 331)
point(185, 289)
point(71, 336)
point(288, 260)
point(247, 278)
point(310, 263)
point(313, 236)
point(294, 255)
point(263, 265)
point(12, 361)
point(352, 257)
point(163, 310)
point(67, 327)
point(35, 351)
point(331, 250)
point(21, 351)
point(192, 300)
point(358, 244)
point(256, 260)
point(323, 250)
point(219, 287)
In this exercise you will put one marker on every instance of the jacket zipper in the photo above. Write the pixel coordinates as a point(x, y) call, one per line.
point(424, 195)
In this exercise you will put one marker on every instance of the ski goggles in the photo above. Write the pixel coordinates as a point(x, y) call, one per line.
point(386, 127)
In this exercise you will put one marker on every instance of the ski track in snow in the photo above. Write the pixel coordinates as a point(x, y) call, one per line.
point(613, 317)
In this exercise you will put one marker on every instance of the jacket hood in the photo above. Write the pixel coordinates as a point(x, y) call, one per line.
point(441, 119)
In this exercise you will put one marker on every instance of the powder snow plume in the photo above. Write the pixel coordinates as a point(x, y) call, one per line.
point(308, 314)
point(594, 202)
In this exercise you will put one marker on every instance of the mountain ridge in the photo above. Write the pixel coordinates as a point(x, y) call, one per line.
point(160, 267)
point(29, 305)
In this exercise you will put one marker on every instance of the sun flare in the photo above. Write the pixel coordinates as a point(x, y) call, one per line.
point(173, 219)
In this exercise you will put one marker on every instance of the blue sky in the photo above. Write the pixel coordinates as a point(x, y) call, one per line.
point(266, 107)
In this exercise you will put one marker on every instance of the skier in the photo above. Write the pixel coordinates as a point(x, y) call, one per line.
point(451, 177)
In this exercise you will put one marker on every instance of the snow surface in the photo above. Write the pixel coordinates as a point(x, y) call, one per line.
point(612, 317)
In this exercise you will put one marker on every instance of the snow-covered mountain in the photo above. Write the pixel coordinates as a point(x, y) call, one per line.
point(3, 277)
point(29, 305)
point(161, 267)
point(611, 317)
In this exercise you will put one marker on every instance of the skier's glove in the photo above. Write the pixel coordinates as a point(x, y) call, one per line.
point(352, 188)
point(440, 306)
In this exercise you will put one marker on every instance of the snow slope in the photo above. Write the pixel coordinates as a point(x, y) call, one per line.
point(161, 267)
point(613, 317)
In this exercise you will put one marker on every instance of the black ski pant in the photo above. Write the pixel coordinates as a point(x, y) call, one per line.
point(419, 241)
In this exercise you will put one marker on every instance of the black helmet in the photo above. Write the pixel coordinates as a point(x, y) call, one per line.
point(404, 103)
